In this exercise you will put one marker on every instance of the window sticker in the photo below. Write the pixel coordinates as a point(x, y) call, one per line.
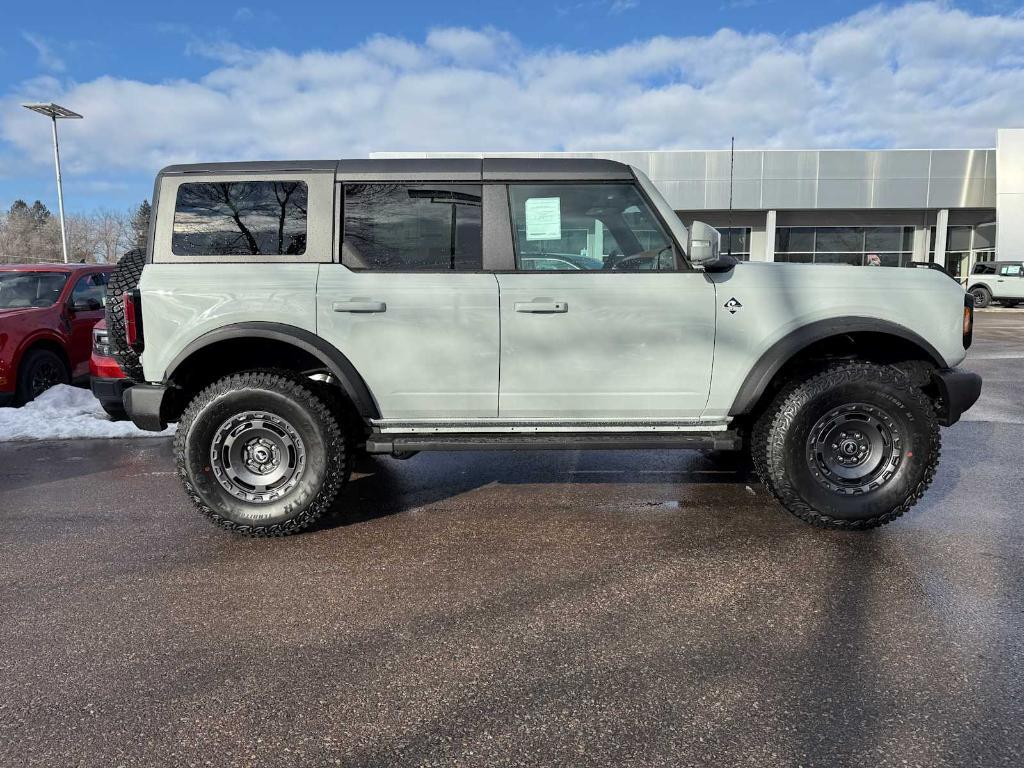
point(543, 218)
point(1013, 269)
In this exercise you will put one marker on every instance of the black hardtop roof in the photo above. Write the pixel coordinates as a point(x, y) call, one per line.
point(428, 169)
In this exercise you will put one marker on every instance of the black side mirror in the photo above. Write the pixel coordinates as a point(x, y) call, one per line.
point(86, 305)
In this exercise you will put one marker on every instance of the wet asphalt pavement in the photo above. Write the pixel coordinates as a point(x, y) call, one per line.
point(606, 609)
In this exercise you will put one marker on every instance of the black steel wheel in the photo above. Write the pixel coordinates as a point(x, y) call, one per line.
point(982, 296)
point(40, 370)
point(853, 447)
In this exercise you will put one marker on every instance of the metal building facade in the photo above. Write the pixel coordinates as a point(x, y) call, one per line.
point(911, 204)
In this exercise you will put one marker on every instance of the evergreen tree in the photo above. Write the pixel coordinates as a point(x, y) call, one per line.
point(40, 213)
point(140, 224)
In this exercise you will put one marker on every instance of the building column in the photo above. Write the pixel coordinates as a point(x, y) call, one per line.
point(769, 236)
point(921, 244)
point(941, 226)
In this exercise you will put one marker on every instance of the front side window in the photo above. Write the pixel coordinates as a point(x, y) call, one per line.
point(412, 227)
point(30, 289)
point(237, 218)
point(89, 292)
point(570, 227)
point(1011, 270)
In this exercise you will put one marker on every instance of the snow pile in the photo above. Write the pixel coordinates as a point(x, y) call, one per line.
point(63, 413)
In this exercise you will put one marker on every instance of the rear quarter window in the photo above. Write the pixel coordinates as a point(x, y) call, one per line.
point(240, 218)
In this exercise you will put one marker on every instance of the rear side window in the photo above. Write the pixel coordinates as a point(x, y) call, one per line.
point(240, 218)
point(412, 227)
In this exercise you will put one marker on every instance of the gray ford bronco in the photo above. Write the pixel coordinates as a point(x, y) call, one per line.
point(290, 315)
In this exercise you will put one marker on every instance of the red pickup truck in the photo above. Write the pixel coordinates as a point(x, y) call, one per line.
point(47, 312)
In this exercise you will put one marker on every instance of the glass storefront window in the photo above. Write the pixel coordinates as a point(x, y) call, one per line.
point(794, 240)
point(858, 246)
point(736, 240)
point(958, 238)
point(845, 239)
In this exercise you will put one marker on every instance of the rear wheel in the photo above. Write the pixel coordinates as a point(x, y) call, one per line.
point(261, 454)
point(852, 447)
point(982, 297)
point(40, 370)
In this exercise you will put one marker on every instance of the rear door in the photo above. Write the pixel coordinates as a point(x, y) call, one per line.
point(602, 319)
point(409, 304)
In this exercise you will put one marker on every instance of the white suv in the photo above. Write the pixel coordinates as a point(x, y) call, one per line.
point(1001, 281)
point(291, 314)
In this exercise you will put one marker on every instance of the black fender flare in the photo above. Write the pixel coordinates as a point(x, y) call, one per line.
point(339, 365)
point(783, 350)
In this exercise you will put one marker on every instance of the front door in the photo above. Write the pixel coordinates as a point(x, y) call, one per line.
point(1010, 282)
point(84, 310)
point(601, 320)
point(409, 305)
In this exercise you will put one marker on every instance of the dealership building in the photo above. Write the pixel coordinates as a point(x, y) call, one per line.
point(955, 207)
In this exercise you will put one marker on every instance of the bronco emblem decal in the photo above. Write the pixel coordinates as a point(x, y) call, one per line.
point(732, 305)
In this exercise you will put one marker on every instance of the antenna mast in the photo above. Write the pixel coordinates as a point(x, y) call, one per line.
point(732, 164)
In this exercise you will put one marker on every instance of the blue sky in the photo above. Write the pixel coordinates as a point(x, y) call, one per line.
point(162, 82)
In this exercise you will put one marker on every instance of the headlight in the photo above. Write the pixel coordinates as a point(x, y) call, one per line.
point(101, 343)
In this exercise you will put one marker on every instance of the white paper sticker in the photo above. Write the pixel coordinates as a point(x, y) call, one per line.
point(543, 218)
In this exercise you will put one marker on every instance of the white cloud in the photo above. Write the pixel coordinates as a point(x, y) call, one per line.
point(918, 75)
point(44, 52)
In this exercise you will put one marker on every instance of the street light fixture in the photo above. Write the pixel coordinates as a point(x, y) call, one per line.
point(56, 112)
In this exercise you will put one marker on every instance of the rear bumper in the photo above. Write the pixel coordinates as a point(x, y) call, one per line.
point(144, 403)
point(109, 391)
point(958, 391)
point(6, 398)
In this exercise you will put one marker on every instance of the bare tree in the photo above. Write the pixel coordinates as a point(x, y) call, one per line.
point(30, 234)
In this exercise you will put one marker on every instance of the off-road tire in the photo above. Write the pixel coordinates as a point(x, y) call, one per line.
point(125, 278)
point(982, 296)
point(279, 394)
point(31, 365)
point(780, 448)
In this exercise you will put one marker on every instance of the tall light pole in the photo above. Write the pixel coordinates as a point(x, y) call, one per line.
point(56, 112)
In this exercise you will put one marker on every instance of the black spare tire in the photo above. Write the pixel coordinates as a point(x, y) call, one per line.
point(125, 278)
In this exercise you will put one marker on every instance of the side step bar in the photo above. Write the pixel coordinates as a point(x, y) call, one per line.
point(578, 441)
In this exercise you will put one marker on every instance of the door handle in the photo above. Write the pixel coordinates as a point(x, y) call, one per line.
point(542, 307)
point(360, 305)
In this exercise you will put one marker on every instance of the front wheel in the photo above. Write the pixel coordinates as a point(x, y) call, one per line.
point(261, 454)
point(852, 447)
point(982, 297)
point(40, 370)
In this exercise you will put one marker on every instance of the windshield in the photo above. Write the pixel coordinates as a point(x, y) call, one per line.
point(30, 289)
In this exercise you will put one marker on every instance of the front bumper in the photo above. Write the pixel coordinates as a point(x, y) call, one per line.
point(109, 391)
point(958, 391)
point(6, 398)
point(144, 403)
